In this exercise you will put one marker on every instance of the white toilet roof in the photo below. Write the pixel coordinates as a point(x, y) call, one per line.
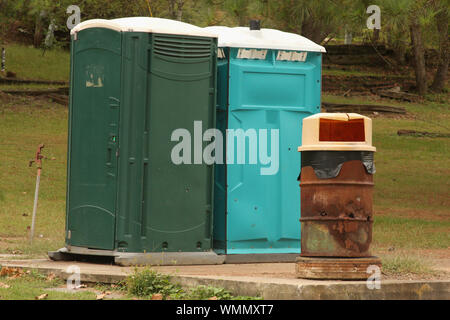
point(243, 37)
point(145, 24)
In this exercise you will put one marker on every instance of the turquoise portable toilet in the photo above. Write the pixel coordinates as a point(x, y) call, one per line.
point(268, 81)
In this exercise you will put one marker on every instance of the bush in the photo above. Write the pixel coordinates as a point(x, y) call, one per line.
point(146, 282)
point(205, 292)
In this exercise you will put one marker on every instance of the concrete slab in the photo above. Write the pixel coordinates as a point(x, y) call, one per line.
point(169, 258)
point(268, 280)
point(133, 259)
point(260, 258)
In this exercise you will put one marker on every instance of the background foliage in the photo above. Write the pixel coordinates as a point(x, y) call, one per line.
point(313, 19)
point(319, 21)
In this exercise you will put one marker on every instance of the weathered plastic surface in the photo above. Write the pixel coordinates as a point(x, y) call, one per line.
point(124, 191)
point(257, 213)
point(337, 132)
point(337, 212)
point(93, 132)
point(163, 206)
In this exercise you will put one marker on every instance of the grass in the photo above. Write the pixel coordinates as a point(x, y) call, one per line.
point(24, 124)
point(363, 71)
point(32, 285)
point(143, 284)
point(30, 63)
point(410, 233)
point(31, 86)
point(403, 264)
point(147, 282)
point(350, 72)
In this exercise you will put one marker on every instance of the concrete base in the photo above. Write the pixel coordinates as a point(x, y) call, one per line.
point(60, 256)
point(132, 259)
point(71, 253)
point(168, 258)
point(335, 268)
point(260, 258)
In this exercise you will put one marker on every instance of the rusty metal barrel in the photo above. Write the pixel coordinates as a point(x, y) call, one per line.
point(336, 182)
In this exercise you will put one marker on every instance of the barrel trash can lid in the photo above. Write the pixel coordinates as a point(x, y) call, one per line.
point(337, 132)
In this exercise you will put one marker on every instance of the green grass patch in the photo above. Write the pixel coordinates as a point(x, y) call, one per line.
point(29, 86)
point(30, 63)
point(142, 284)
point(147, 282)
point(403, 264)
point(31, 285)
point(24, 124)
point(348, 73)
point(411, 233)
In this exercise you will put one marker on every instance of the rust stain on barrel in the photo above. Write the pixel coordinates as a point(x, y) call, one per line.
point(343, 205)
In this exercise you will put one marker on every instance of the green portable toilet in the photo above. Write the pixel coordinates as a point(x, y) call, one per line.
point(134, 81)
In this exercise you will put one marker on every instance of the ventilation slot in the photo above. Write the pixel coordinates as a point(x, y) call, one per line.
point(179, 47)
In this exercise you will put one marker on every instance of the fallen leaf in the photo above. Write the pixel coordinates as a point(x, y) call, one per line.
point(157, 296)
point(5, 271)
point(102, 295)
point(213, 298)
point(51, 276)
point(16, 275)
point(11, 272)
point(42, 296)
point(4, 285)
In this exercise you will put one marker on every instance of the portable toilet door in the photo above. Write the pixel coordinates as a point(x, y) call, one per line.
point(95, 93)
point(134, 81)
point(268, 81)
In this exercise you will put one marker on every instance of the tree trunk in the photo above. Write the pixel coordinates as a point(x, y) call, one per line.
point(313, 30)
point(172, 11)
point(348, 37)
point(38, 32)
point(376, 35)
point(419, 56)
point(441, 72)
point(180, 4)
point(399, 54)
